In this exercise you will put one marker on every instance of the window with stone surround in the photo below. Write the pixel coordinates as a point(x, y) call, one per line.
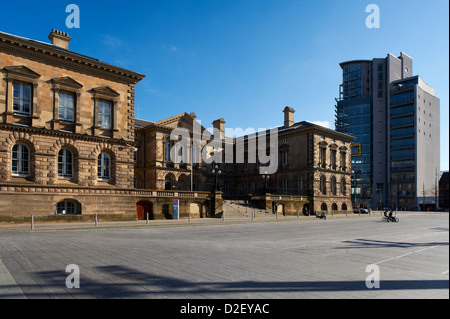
point(333, 184)
point(104, 167)
point(333, 157)
point(65, 164)
point(106, 104)
point(22, 99)
point(323, 185)
point(167, 148)
point(66, 107)
point(20, 160)
point(343, 186)
point(284, 158)
point(67, 96)
point(68, 207)
point(21, 92)
point(344, 161)
point(104, 114)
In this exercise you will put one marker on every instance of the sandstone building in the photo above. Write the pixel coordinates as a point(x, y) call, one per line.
point(66, 130)
point(70, 146)
point(313, 173)
point(67, 138)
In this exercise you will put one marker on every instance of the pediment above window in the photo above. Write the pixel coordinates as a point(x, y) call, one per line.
point(334, 146)
point(21, 71)
point(105, 92)
point(66, 82)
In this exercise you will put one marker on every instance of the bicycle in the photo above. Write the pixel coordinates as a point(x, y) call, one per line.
point(390, 219)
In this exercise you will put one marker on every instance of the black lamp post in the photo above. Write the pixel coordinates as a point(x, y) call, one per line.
point(216, 171)
point(265, 177)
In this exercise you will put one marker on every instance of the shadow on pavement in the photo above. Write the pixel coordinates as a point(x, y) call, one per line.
point(112, 282)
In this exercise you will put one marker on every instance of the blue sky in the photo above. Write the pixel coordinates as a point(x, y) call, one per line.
point(245, 60)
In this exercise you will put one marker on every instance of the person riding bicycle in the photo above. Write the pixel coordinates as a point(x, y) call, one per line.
point(391, 214)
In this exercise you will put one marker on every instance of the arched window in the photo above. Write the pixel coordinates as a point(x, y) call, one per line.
point(104, 167)
point(65, 164)
point(344, 207)
point(333, 185)
point(323, 185)
point(343, 187)
point(68, 207)
point(334, 207)
point(324, 207)
point(20, 160)
point(170, 182)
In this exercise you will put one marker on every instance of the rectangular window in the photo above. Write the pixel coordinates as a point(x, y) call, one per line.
point(284, 158)
point(66, 107)
point(22, 99)
point(344, 161)
point(333, 158)
point(404, 121)
point(322, 156)
point(284, 185)
point(401, 133)
point(402, 98)
point(402, 155)
point(402, 144)
point(400, 111)
point(300, 184)
point(104, 115)
point(167, 150)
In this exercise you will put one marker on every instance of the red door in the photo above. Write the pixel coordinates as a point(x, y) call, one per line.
point(144, 208)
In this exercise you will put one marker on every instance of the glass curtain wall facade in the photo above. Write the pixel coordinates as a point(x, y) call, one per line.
point(354, 117)
point(395, 118)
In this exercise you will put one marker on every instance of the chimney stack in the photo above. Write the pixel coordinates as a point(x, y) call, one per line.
point(220, 125)
point(288, 116)
point(59, 39)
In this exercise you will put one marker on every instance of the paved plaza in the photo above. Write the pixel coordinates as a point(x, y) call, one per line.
point(286, 259)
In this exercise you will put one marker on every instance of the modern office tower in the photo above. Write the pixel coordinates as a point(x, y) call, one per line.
point(395, 117)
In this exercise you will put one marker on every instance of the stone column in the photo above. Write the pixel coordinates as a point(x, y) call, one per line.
point(9, 99)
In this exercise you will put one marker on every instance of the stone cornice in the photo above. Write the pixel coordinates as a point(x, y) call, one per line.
point(64, 58)
point(316, 129)
point(42, 131)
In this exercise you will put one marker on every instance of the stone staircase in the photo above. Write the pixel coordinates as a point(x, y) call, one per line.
point(239, 209)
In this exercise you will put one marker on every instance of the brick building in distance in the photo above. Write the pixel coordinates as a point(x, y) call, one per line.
point(444, 191)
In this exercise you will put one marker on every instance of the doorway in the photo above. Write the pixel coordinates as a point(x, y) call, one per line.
point(144, 208)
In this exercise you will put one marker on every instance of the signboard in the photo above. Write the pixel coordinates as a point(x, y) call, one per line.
point(176, 209)
point(356, 150)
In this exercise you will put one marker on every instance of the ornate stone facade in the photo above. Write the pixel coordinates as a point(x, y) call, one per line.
point(313, 174)
point(66, 131)
point(70, 145)
point(155, 169)
point(314, 162)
